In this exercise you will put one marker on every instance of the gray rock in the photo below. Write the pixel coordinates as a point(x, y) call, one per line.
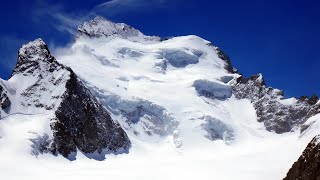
point(225, 58)
point(266, 100)
point(82, 122)
point(5, 102)
point(307, 167)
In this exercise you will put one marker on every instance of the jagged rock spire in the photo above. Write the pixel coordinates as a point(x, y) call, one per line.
point(31, 54)
point(36, 50)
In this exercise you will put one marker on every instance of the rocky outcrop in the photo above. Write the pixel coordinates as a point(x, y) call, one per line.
point(271, 107)
point(82, 122)
point(308, 165)
point(5, 102)
point(30, 55)
point(225, 58)
point(79, 121)
point(268, 102)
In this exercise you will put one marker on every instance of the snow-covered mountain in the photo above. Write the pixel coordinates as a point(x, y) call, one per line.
point(174, 105)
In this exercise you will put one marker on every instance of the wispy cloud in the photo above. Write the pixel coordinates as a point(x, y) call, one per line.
point(58, 17)
point(66, 22)
point(116, 7)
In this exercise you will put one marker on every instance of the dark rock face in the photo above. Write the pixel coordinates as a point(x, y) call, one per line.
point(5, 102)
point(82, 122)
point(308, 165)
point(275, 115)
point(225, 58)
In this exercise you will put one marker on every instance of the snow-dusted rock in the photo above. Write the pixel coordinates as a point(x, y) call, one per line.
point(268, 102)
point(101, 27)
point(226, 58)
point(5, 102)
point(307, 167)
point(31, 54)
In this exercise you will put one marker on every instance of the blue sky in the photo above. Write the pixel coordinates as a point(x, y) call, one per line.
point(279, 39)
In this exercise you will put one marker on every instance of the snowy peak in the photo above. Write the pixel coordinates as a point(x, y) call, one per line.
point(36, 50)
point(33, 55)
point(100, 27)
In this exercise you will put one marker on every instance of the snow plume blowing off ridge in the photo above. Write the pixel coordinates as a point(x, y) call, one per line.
point(144, 104)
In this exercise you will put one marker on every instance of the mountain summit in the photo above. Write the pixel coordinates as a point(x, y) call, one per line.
point(101, 27)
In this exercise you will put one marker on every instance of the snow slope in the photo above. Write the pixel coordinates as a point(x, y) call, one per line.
point(174, 100)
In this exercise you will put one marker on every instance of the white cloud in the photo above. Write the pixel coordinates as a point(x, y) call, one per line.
point(66, 22)
point(115, 7)
point(58, 17)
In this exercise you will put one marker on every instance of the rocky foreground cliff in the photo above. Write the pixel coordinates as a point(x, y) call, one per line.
point(307, 167)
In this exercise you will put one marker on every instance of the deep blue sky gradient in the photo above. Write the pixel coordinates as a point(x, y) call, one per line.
point(279, 39)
